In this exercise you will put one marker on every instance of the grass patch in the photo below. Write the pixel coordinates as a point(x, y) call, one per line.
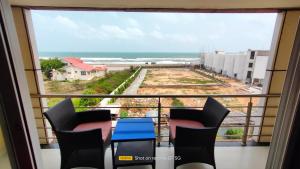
point(53, 101)
point(111, 81)
point(89, 101)
point(177, 103)
point(234, 133)
point(194, 81)
point(62, 87)
point(76, 102)
point(123, 114)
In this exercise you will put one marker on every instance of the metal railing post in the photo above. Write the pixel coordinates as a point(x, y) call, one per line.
point(247, 122)
point(159, 108)
point(159, 121)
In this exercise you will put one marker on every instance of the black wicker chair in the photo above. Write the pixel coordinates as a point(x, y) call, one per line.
point(82, 136)
point(193, 132)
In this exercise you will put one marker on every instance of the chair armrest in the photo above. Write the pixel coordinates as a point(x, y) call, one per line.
point(93, 115)
point(184, 113)
point(80, 139)
point(195, 137)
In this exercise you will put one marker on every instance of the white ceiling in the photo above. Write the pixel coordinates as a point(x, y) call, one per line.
point(179, 4)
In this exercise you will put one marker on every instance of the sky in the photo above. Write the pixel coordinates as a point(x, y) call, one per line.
point(95, 31)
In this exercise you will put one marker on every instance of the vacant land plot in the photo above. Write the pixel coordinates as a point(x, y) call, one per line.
point(160, 81)
point(174, 76)
point(178, 81)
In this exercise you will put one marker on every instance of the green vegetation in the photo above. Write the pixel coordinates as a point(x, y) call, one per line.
point(123, 114)
point(126, 83)
point(53, 101)
point(48, 65)
point(234, 133)
point(110, 82)
point(195, 81)
point(62, 87)
point(89, 101)
point(104, 86)
point(177, 103)
point(99, 86)
point(76, 102)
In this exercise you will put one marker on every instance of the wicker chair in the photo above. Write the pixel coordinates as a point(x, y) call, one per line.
point(82, 136)
point(193, 132)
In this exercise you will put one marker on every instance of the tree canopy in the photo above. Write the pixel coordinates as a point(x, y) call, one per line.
point(48, 65)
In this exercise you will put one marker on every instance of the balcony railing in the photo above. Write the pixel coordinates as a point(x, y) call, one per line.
point(161, 119)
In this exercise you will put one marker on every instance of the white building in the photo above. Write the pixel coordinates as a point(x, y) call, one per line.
point(257, 65)
point(249, 67)
point(76, 69)
point(218, 62)
point(228, 67)
point(208, 60)
point(239, 66)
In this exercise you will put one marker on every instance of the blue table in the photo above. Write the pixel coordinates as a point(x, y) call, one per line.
point(136, 142)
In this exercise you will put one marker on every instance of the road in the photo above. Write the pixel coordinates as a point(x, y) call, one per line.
point(133, 88)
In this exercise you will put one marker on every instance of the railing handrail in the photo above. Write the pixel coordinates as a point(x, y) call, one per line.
point(159, 106)
point(149, 96)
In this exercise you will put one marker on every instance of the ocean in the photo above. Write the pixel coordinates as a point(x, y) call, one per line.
point(128, 57)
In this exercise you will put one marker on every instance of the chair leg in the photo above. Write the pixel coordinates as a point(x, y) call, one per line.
point(175, 165)
point(214, 165)
point(64, 160)
point(153, 166)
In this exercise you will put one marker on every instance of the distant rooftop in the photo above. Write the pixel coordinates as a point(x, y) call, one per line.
point(78, 63)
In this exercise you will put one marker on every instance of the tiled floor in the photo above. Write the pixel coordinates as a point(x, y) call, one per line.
point(226, 158)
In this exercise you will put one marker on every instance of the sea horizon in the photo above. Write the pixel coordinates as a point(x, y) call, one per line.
point(124, 55)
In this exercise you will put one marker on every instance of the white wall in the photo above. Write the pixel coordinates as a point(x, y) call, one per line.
point(260, 66)
point(240, 65)
point(73, 73)
point(237, 63)
point(218, 62)
point(208, 60)
point(228, 65)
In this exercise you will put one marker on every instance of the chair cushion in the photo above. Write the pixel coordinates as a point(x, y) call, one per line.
point(182, 123)
point(104, 125)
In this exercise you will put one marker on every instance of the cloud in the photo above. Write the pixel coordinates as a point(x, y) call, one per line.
point(135, 32)
point(156, 34)
point(157, 27)
point(133, 22)
point(214, 37)
point(121, 33)
point(83, 30)
point(114, 31)
point(179, 18)
point(143, 31)
point(182, 38)
point(66, 22)
point(168, 17)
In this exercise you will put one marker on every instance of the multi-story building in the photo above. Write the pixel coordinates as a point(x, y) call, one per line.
point(249, 66)
point(76, 69)
point(256, 66)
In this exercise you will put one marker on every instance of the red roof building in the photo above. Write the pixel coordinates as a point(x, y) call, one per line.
point(78, 63)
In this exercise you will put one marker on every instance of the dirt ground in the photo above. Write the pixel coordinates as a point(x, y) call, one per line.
point(175, 76)
point(64, 87)
point(178, 76)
